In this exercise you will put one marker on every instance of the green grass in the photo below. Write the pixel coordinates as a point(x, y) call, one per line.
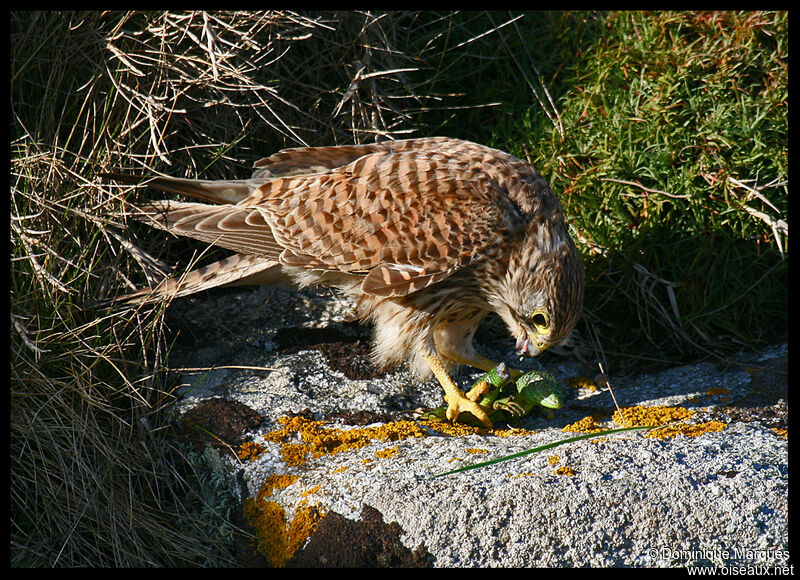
point(653, 128)
point(682, 104)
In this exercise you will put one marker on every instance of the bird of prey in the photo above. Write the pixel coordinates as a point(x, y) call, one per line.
point(428, 235)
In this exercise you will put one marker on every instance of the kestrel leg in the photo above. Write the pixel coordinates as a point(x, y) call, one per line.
point(477, 361)
point(453, 341)
point(457, 402)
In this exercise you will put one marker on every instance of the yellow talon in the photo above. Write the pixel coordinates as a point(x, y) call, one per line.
point(457, 402)
point(478, 391)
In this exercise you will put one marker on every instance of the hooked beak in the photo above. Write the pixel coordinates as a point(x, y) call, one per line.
point(523, 344)
point(526, 347)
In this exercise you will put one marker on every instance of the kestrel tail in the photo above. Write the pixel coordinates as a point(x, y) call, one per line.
point(429, 235)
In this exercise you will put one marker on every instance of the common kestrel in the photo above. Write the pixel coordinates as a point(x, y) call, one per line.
point(428, 235)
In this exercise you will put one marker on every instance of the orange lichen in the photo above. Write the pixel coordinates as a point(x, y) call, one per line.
point(250, 451)
point(641, 416)
point(582, 383)
point(308, 492)
point(273, 482)
point(387, 453)
point(511, 432)
point(566, 470)
point(553, 459)
point(674, 419)
point(295, 453)
point(476, 450)
point(274, 538)
point(302, 526)
point(319, 440)
point(453, 429)
point(269, 520)
point(717, 391)
point(461, 430)
point(781, 432)
point(686, 429)
point(291, 425)
point(586, 425)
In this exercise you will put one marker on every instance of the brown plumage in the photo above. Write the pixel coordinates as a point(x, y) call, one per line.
point(429, 235)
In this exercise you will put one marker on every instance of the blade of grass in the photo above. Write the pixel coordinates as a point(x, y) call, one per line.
point(541, 448)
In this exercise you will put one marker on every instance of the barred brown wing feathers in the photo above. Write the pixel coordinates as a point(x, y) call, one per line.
point(241, 229)
point(398, 280)
point(306, 160)
point(407, 219)
point(406, 214)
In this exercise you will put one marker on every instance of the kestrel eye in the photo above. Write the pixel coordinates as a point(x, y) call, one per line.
point(541, 321)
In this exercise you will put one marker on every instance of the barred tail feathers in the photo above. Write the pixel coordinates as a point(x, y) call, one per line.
point(221, 192)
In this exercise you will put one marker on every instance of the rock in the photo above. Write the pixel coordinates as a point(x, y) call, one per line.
point(696, 496)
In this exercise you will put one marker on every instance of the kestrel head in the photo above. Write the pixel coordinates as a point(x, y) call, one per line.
point(541, 296)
